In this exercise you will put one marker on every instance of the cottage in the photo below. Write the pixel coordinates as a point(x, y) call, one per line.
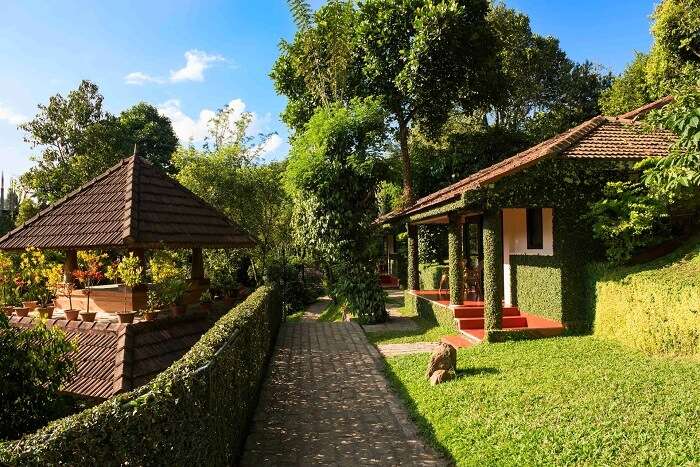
point(516, 231)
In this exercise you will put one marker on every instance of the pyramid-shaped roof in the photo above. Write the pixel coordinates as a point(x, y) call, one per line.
point(132, 205)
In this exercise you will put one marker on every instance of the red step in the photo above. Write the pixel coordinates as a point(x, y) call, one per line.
point(478, 323)
point(478, 311)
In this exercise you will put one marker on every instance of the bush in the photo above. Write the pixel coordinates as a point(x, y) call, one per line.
point(34, 363)
point(194, 413)
point(654, 307)
point(358, 288)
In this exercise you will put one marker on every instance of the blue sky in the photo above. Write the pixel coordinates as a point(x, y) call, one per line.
point(190, 57)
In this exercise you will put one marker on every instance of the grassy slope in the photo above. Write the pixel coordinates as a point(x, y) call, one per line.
point(576, 400)
point(654, 307)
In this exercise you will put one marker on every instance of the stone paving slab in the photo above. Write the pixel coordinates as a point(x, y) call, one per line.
point(393, 350)
point(326, 401)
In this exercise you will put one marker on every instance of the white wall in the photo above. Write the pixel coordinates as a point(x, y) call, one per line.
point(515, 241)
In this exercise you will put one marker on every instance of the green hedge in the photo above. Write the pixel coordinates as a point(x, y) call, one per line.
point(194, 413)
point(536, 283)
point(427, 310)
point(430, 275)
point(654, 307)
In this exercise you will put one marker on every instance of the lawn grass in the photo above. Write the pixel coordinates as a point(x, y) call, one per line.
point(573, 400)
point(334, 312)
point(425, 332)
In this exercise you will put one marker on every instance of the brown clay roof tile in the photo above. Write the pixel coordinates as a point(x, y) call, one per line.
point(598, 138)
point(131, 205)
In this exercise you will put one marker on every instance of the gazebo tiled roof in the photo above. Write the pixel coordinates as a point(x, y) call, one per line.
point(132, 205)
point(598, 138)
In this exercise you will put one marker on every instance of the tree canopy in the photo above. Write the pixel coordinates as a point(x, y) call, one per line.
point(78, 140)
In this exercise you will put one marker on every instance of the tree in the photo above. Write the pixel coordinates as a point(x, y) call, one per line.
point(629, 90)
point(537, 88)
point(228, 175)
point(421, 57)
point(79, 140)
point(26, 210)
point(34, 363)
point(333, 169)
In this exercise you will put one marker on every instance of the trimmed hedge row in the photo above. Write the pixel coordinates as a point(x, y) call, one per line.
point(430, 275)
point(428, 310)
point(194, 413)
point(654, 307)
point(536, 282)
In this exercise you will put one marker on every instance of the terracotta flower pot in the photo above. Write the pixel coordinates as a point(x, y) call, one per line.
point(71, 315)
point(21, 311)
point(45, 312)
point(8, 310)
point(206, 306)
point(178, 310)
point(151, 315)
point(126, 317)
point(31, 304)
point(88, 317)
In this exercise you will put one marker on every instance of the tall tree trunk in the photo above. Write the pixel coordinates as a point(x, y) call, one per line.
point(406, 164)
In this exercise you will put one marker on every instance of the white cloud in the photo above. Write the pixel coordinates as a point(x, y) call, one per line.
point(197, 129)
point(272, 144)
point(138, 78)
point(187, 128)
point(196, 62)
point(10, 116)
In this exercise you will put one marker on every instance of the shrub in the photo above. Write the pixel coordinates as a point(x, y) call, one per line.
point(654, 307)
point(358, 288)
point(194, 413)
point(34, 363)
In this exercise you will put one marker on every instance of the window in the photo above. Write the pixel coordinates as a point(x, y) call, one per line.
point(534, 229)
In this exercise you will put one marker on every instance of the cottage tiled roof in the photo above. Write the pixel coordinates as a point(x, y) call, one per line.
point(598, 138)
point(132, 205)
point(112, 358)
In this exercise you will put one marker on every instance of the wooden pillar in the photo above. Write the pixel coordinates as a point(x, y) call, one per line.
point(455, 252)
point(413, 282)
point(141, 255)
point(70, 265)
point(493, 269)
point(197, 265)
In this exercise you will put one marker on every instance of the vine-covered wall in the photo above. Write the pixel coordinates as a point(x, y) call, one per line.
point(194, 413)
point(536, 285)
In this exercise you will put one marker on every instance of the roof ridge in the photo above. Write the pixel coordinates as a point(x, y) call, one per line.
point(131, 200)
point(646, 108)
point(553, 145)
point(66, 197)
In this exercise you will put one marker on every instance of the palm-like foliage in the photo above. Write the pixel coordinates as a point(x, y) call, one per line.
point(301, 12)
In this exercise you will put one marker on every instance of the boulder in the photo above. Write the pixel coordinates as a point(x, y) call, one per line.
point(444, 357)
point(440, 376)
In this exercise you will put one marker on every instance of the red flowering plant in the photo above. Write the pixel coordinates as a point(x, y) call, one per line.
point(89, 274)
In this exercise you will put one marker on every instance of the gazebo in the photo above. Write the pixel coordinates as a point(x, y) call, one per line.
point(132, 207)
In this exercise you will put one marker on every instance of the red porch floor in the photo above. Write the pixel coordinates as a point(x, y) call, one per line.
point(469, 319)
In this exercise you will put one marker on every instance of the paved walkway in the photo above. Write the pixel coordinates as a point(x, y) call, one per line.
point(317, 308)
point(327, 402)
point(394, 350)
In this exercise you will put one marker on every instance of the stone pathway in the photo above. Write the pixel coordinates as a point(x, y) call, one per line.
point(317, 308)
point(326, 401)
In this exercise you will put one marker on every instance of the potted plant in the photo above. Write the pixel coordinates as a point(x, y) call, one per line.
point(32, 271)
point(205, 300)
point(154, 305)
point(64, 289)
point(47, 279)
point(88, 276)
point(169, 282)
point(176, 288)
point(129, 270)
